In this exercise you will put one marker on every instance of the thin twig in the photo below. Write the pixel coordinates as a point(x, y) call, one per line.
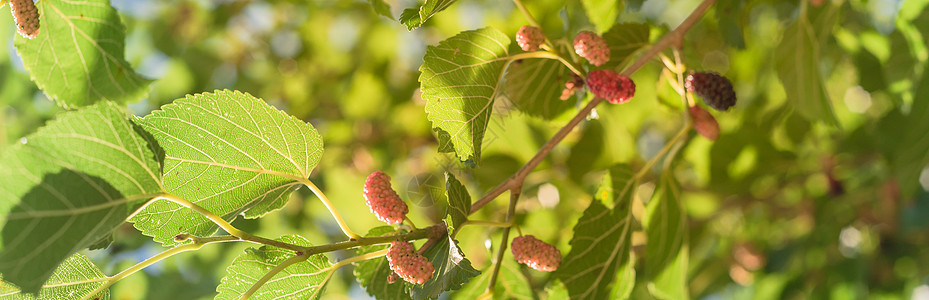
point(510, 215)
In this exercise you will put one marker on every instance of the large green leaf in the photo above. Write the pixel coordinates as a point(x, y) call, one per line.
point(624, 40)
point(511, 284)
point(460, 78)
point(912, 152)
point(372, 273)
point(534, 86)
point(415, 17)
point(600, 247)
point(452, 270)
point(665, 228)
point(303, 280)
point(75, 277)
point(77, 58)
point(230, 153)
point(459, 201)
point(797, 60)
point(68, 186)
point(603, 13)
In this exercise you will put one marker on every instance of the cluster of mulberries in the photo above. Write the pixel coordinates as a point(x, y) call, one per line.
point(612, 86)
point(383, 201)
point(591, 46)
point(529, 38)
point(26, 16)
point(536, 254)
point(407, 264)
point(715, 89)
point(572, 85)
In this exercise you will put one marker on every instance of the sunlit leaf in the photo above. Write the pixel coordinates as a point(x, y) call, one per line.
point(603, 13)
point(303, 280)
point(912, 152)
point(511, 284)
point(68, 186)
point(600, 247)
point(230, 153)
point(75, 277)
point(381, 8)
point(77, 57)
point(460, 78)
point(665, 227)
point(534, 86)
point(797, 60)
point(452, 270)
point(415, 17)
point(459, 201)
point(372, 273)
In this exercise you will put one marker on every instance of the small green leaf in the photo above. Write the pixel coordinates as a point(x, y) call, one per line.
point(381, 8)
point(459, 201)
point(69, 185)
point(665, 228)
point(624, 40)
point(600, 247)
point(372, 274)
point(511, 284)
point(797, 60)
point(75, 277)
point(534, 86)
point(77, 57)
point(603, 13)
point(230, 153)
point(452, 270)
point(303, 280)
point(460, 79)
point(415, 17)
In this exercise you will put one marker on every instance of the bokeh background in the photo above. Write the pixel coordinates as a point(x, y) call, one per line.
point(781, 206)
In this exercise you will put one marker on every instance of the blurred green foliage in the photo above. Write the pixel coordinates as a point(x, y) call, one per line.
point(784, 205)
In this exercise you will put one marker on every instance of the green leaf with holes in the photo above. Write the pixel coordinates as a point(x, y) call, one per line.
point(460, 79)
point(68, 186)
point(452, 270)
point(75, 277)
point(600, 248)
point(230, 153)
point(77, 57)
point(459, 202)
point(665, 228)
point(415, 17)
point(372, 273)
point(302, 280)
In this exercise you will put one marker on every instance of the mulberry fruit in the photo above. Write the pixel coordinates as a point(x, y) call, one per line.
point(591, 46)
point(571, 86)
point(407, 264)
point(536, 254)
point(704, 123)
point(529, 38)
point(26, 17)
point(612, 86)
point(715, 89)
point(383, 200)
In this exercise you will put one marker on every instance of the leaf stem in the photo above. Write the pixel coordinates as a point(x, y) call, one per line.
point(198, 242)
point(516, 179)
point(651, 162)
point(510, 214)
point(336, 266)
point(548, 55)
point(335, 214)
point(277, 269)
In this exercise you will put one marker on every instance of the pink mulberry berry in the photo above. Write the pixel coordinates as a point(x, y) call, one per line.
point(612, 86)
point(407, 264)
point(529, 38)
point(383, 200)
point(570, 86)
point(536, 254)
point(591, 46)
point(26, 17)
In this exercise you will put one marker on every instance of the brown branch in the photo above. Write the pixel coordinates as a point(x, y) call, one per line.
point(673, 37)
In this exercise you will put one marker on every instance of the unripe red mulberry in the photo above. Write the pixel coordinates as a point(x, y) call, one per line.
point(26, 17)
point(612, 86)
point(529, 38)
point(704, 123)
point(715, 89)
point(407, 264)
point(383, 201)
point(591, 46)
point(570, 86)
point(536, 254)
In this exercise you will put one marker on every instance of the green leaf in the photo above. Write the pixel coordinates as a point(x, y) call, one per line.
point(603, 13)
point(459, 201)
point(77, 57)
point(665, 228)
point(912, 152)
point(77, 276)
point(600, 247)
point(303, 280)
point(381, 8)
point(372, 273)
point(534, 86)
point(415, 17)
point(460, 79)
point(797, 60)
point(729, 12)
point(452, 270)
point(624, 40)
point(624, 281)
point(69, 185)
point(230, 153)
point(511, 284)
